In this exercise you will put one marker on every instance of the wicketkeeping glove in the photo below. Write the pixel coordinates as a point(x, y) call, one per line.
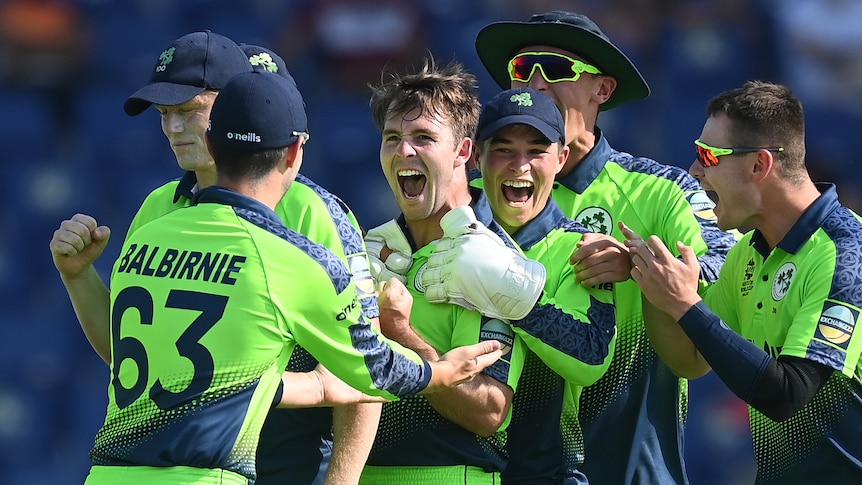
point(398, 262)
point(473, 268)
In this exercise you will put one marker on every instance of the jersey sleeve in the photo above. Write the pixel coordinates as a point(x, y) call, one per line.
point(324, 316)
point(571, 328)
point(722, 297)
point(824, 328)
point(325, 219)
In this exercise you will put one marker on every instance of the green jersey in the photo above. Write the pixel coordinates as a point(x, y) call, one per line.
point(803, 299)
point(207, 305)
point(625, 444)
point(570, 335)
point(411, 432)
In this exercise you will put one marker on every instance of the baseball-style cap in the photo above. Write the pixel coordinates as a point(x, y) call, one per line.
point(263, 59)
point(498, 42)
point(191, 64)
point(524, 106)
point(257, 111)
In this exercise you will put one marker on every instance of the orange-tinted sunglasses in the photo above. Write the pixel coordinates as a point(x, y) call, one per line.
point(708, 155)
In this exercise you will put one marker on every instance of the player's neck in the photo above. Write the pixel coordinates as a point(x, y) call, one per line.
point(578, 150)
point(782, 209)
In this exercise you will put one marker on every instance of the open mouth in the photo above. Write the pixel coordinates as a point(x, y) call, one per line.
point(713, 196)
point(517, 192)
point(412, 183)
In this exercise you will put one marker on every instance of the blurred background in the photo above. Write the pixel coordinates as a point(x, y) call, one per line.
point(66, 146)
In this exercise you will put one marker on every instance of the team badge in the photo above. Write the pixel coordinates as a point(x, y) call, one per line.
point(702, 205)
point(165, 58)
point(597, 220)
point(265, 61)
point(836, 324)
point(781, 282)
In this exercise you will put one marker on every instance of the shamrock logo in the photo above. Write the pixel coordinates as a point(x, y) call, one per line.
point(783, 278)
point(596, 219)
point(167, 56)
point(523, 99)
point(265, 60)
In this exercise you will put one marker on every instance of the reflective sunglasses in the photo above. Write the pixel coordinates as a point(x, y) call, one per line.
point(554, 67)
point(708, 155)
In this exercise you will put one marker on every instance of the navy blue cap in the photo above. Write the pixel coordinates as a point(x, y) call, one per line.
point(263, 59)
point(524, 106)
point(190, 65)
point(257, 111)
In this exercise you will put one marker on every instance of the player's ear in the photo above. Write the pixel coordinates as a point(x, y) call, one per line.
point(464, 151)
point(563, 156)
point(293, 154)
point(605, 88)
point(763, 165)
point(475, 158)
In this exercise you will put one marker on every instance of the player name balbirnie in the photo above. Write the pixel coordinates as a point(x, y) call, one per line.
point(181, 264)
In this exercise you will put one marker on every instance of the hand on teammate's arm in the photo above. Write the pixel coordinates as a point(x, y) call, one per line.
point(319, 388)
point(478, 403)
point(670, 284)
point(600, 258)
point(76, 244)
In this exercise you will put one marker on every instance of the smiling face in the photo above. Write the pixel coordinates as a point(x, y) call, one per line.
point(424, 164)
point(729, 183)
point(185, 127)
point(518, 167)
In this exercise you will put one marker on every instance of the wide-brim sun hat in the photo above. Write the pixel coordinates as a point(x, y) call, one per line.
point(498, 42)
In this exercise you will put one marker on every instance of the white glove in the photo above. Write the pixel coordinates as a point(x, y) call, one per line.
point(398, 262)
point(473, 268)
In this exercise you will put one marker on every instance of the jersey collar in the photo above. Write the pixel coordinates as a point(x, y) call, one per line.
point(538, 228)
point(186, 186)
point(220, 195)
point(812, 219)
point(589, 167)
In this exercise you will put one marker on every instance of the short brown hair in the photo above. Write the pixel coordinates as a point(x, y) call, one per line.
point(449, 91)
point(765, 114)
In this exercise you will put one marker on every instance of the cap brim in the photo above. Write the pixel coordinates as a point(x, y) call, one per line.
point(544, 128)
point(497, 43)
point(167, 94)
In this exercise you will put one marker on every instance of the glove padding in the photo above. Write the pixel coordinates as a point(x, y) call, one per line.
point(473, 268)
point(399, 260)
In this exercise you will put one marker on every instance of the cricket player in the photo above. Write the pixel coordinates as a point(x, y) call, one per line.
point(427, 119)
point(185, 81)
point(779, 325)
point(633, 418)
point(570, 331)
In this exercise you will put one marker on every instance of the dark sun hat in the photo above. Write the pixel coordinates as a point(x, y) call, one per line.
point(498, 42)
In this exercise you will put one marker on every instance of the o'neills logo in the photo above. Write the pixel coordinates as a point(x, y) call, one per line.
point(250, 136)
